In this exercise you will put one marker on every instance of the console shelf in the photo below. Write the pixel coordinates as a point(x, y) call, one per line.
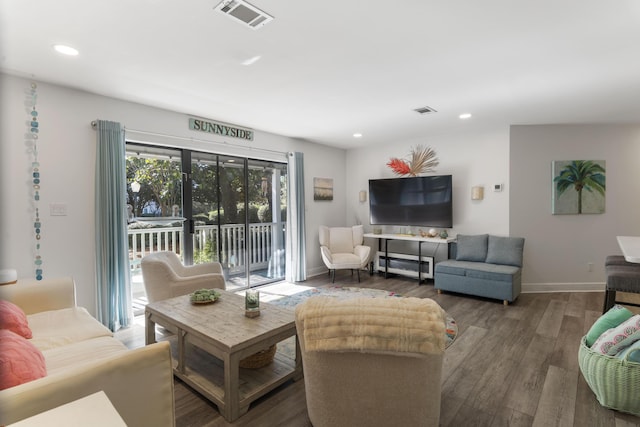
point(405, 264)
point(418, 266)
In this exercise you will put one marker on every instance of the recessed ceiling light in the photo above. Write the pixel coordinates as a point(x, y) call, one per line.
point(252, 60)
point(357, 135)
point(465, 115)
point(65, 50)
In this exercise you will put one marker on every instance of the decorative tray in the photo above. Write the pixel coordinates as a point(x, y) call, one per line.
point(204, 296)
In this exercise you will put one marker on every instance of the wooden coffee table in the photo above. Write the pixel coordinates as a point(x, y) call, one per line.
point(221, 329)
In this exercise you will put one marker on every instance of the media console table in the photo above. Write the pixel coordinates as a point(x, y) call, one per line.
point(406, 264)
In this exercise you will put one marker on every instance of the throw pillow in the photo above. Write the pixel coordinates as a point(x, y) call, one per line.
point(20, 361)
point(505, 250)
point(616, 339)
point(633, 351)
point(611, 319)
point(471, 248)
point(13, 318)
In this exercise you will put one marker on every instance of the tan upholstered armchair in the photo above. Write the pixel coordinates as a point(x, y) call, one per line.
point(166, 277)
point(343, 248)
point(372, 361)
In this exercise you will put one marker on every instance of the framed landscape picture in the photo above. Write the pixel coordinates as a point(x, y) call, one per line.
point(322, 188)
point(578, 187)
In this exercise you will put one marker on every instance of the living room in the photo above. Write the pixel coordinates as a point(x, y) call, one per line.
point(563, 253)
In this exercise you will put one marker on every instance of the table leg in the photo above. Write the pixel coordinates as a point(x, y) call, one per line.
point(150, 330)
point(232, 410)
point(386, 258)
point(181, 351)
point(419, 263)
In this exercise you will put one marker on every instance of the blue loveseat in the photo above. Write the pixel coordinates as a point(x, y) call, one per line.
point(483, 265)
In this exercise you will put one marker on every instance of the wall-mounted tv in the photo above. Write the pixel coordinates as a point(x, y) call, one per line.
point(422, 200)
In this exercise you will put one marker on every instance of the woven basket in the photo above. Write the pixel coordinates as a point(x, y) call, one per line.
point(615, 382)
point(260, 359)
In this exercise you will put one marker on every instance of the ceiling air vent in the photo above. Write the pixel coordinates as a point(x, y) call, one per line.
point(244, 12)
point(425, 110)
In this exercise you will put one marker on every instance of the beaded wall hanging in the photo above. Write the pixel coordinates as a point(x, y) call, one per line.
point(33, 126)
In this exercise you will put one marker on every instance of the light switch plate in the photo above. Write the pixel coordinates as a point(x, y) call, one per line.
point(58, 209)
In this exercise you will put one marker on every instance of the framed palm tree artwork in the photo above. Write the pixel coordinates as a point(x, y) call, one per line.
point(579, 187)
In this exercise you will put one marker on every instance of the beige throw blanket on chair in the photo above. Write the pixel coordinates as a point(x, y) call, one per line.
point(410, 325)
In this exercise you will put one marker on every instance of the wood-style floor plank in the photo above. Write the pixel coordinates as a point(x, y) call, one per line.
point(511, 365)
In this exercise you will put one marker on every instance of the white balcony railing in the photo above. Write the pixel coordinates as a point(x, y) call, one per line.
point(264, 240)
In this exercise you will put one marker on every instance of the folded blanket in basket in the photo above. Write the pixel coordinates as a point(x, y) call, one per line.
point(410, 325)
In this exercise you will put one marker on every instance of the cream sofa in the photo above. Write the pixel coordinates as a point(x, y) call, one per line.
point(82, 357)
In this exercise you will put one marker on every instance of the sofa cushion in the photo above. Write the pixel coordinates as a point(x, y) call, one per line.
point(13, 318)
point(472, 248)
point(495, 272)
point(79, 353)
point(457, 268)
point(478, 270)
point(611, 319)
point(341, 240)
point(56, 328)
point(20, 360)
point(505, 250)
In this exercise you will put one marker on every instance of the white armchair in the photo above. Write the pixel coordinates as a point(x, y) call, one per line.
point(343, 248)
point(166, 277)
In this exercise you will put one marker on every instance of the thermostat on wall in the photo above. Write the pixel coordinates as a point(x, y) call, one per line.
point(497, 187)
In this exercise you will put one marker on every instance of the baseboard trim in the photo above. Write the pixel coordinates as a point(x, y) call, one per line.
point(532, 288)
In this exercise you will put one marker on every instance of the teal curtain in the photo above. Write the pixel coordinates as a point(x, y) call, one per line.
point(112, 249)
point(296, 266)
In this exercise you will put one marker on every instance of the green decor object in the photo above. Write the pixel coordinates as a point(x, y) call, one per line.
point(614, 381)
point(33, 127)
point(204, 296)
point(422, 160)
point(252, 300)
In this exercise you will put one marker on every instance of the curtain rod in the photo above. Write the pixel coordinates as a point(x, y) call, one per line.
point(94, 125)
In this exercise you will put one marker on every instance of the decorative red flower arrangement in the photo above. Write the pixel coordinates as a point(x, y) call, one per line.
point(398, 166)
point(423, 159)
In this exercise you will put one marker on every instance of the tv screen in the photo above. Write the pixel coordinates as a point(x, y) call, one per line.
point(421, 200)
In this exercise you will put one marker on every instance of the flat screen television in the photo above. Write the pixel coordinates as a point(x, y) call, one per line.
point(422, 200)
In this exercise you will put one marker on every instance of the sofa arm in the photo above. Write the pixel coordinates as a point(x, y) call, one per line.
point(34, 296)
point(198, 269)
point(139, 384)
point(362, 252)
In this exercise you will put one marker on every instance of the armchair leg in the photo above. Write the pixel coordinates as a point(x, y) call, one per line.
point(333, 276)
point(358, 275)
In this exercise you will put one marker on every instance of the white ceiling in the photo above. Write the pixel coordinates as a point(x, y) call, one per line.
point(329, 69)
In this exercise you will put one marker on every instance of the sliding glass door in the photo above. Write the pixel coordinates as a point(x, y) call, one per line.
point(267, 207)
point(209, 207)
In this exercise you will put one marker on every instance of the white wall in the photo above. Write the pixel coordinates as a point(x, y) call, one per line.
point(67, 156)
point(472, 159)
point(559, 248)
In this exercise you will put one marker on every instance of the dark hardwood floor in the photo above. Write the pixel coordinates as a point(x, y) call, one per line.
point(513, 365)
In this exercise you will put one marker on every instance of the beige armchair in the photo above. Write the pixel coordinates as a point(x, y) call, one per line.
point(166, 277)
point(372, 361)
point(343, 248)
